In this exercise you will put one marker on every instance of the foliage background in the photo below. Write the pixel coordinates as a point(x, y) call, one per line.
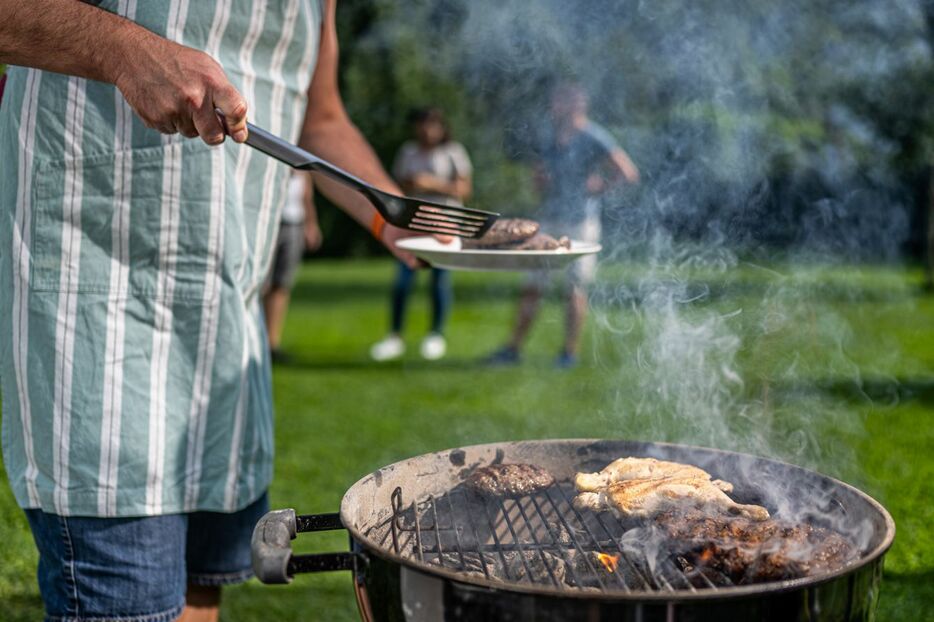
point(754, 112)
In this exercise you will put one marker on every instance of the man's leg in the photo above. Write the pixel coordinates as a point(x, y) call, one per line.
point(434, 346)
point(578, 278)
point(202, 604)
point(217, 554)
point(287, 257)
point(529, 302)
point(392, 346)
point(574, 319)
point(275, 306)
point(441, 297)
point(530, 298)
point(401, 291)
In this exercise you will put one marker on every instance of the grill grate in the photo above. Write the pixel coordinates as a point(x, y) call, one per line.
point(539, 539)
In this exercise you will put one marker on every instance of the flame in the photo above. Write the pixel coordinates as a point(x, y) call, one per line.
point(610, 562)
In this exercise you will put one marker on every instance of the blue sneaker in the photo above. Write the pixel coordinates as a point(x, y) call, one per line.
point(566, 360)
point(506, 355)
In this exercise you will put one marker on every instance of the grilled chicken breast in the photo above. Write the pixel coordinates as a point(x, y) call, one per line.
point(641, 468)
point(644, 487)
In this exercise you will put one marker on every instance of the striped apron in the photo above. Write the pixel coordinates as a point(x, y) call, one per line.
point(134, 367)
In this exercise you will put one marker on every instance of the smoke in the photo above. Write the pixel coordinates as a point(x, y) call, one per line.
point(765, 168)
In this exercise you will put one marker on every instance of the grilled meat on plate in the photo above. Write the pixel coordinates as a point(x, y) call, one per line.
point(505, 232)
point(644, 487)
point(542, 242)
point(509, 480)
point(516, 234)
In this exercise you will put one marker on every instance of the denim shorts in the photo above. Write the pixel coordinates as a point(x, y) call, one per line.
point(137, 569)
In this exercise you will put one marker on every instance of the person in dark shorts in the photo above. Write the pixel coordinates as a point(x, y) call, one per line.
point(578, 161)
point(298, 232)
point(436, 168)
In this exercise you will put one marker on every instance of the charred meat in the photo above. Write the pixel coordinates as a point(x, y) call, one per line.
point(543, 242)
point(505, 232)
point(509, 480)
point(643, 487)
point(737, 551)
point(519, 234)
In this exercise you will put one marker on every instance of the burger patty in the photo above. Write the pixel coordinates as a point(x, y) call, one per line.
point(542, 242)
point(505, 231)
point(509, 480)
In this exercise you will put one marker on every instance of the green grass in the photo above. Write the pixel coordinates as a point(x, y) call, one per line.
point(828, 367)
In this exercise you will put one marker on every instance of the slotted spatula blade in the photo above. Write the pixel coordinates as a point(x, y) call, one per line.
point(400, 211)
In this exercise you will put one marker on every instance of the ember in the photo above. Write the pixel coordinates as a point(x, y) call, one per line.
point(610, 562)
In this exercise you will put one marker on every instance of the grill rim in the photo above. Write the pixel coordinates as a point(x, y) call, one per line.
point(349, 501)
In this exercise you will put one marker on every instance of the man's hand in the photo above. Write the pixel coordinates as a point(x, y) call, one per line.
point(313, 236)
point(174, 88)
point(391, 235)
point(389, 238)
point(595, 184)
point(426, 182)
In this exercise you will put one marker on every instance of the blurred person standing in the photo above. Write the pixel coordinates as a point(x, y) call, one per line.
point(578, 161)
point(432, 167)
point(298, 232)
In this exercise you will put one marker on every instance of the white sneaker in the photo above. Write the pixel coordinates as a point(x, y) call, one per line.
point(433, 347)
point(389, 348)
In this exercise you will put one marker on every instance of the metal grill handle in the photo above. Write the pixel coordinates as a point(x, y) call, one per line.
point(271, 546)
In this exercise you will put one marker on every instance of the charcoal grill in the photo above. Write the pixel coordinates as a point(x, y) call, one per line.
point(424, 547)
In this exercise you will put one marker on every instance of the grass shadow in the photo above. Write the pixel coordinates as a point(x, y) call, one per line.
point(606, 293)
point(907, 596)
point(21, 607)
point(889, 391)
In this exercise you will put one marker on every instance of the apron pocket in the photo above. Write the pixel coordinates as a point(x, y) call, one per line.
point(132, 223)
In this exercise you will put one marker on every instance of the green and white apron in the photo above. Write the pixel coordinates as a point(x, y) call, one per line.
point(133, 360)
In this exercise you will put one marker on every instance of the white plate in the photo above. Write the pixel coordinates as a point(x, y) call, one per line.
point(453, 257)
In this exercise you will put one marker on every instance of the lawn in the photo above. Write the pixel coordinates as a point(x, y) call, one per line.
point(828, 367)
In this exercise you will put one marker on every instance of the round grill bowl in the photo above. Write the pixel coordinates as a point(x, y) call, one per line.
point(789, 492)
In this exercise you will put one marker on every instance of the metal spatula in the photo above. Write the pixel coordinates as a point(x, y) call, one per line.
point(404, 212)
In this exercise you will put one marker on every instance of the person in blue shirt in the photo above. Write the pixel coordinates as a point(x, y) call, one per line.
point(578, 161)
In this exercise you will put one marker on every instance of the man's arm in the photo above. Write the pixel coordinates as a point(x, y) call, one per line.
point(460, 188)
point(313, 237)
point(171, 87)
point(617, 167)
point(621, 161)
point(328, 132)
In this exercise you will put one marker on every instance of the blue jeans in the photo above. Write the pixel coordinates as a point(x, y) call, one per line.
point(137, 569)
point(441, 297)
